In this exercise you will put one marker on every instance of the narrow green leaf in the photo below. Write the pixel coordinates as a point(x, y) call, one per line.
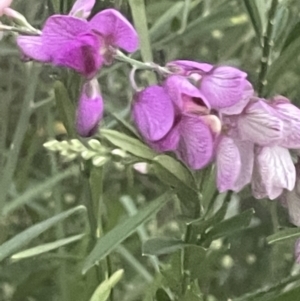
point(38, 189)
point(113, 238)
point(178, 173)
point(129, 144)
point(161, 24)
point(103, 290)
point(22, 239)
point(283, 63)
point(292, 36)
point(254, 15)
point(284, 235)
point(46, 247)
point(138, 10)
point(65, 107)
point(231, 225)
point(159, 246)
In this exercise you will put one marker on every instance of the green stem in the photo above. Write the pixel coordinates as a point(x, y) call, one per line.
point(22, 30)
point(19, 134)
point(268, 43)
point(120, 56)
point(138, 10)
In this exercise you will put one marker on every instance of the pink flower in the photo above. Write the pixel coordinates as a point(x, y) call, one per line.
point(173, 117)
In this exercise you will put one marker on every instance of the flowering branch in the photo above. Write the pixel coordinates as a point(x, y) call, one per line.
point(267, 46)
point(120, 56)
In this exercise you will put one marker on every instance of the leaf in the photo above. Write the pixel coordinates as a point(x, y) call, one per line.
point(103, 290)
point(283, 235)
point(161, 25)
point(292, 36)
point(161, 295)
point(254, 15)
point(38, 189)
point(231, 225)
point(18, 241)
point(65, 107)
point(46, 247)
point(283, 63)
point(129, 144)
point(159, 246)
point(113, 238)
point(177, 173)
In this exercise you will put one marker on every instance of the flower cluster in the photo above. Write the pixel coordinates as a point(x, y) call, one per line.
point(202, 113)
point(84, 46)
point(208, 113)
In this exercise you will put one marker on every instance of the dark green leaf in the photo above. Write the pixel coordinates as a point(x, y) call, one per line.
point(231, 225)
point(159, 246)
point(255, 18)
point(110, 240)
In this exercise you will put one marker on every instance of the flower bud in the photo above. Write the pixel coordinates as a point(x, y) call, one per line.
point(89, 110)
point(3, 5)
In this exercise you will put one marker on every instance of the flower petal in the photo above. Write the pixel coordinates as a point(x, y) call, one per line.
point(290, 115)
point(70, 43)
point(153, 113)
point(178, 86)
point(4, 4)
point(260, 124)
point(223, 86)
point(292, 202)
point(89, 110)
point(82, 8)
point(188, 67)
point(241, 104)
point(246, 151)
point(32, 47)
point(195, 147)
point(274, 171)
point(116, 29)
point(168, 142)
point(228, 164)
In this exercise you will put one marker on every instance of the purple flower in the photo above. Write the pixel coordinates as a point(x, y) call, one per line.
point(174, 117)
point(220, 86)
point(78, 44)
point(90, 109)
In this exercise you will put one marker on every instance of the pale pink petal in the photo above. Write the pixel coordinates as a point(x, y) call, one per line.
point(116, 29)
point(237, 108)
point(196, 142)
point(228, 164)
point(178, 87)
point(290, 115)
point(82, 8)
point(292, 202)
point(260, 124)
point(223, 86)
point(276, 171)
point(246, 151)
point(153, 113)
point(4, 4)
point(187, 67)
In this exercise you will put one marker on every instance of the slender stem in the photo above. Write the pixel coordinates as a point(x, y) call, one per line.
point(267, 47)
point(21, 30)
point(138, 10)
point(120, 56)
point(186, 10)
point(185, 275)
